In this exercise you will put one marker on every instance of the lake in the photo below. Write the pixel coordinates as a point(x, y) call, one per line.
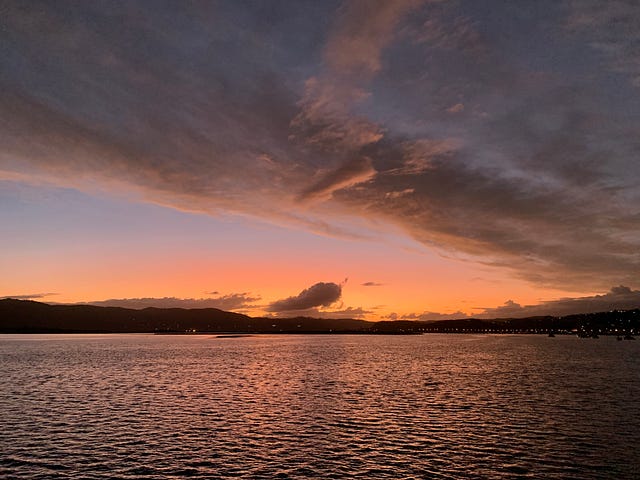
point(319, 406)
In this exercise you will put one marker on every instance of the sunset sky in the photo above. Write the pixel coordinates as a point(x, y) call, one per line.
point(367, 159)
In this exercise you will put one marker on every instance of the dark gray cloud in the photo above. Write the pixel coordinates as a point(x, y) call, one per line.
point(612, 28)
point(372, 284)
point(232, 301)
point(319, 295)
point(31, 296)
point(441, 118)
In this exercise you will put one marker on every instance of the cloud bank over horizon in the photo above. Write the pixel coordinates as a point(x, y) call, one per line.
point(230, 302)
point(617, 298)
point(323, 300)
point(449, 121)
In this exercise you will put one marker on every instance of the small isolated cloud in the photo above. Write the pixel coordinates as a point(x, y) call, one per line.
point(618, 298)
point(372, 284)
point(232, 301)
point(400, 193)
point(457, 108)
point(319, 295)
point(30, 296)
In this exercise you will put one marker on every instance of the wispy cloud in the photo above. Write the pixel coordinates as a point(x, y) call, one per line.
point(361, 33)
point(612, 28)
point(351, 173)
point(29, 296)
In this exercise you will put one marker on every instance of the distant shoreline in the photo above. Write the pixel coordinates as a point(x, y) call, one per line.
point(224, 335)
point(25, 317)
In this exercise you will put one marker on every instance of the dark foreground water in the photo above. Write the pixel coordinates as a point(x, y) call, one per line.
point(432, 406)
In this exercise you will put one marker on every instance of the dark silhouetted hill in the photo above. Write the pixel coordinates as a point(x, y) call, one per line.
point(25, 316)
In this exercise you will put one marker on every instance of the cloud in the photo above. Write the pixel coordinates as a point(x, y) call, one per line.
point(401, 193)
point(372, 284)
point(31, 296)
point(618, 298)
point(445, 28)
point(351, 173)
point(612, 29)
point(362, 32)
point(229, 302)
point(348, 312)
point(319, 295)
point(325, 121)
point(352, 56)
point(335, 120)
point(421, 155)
point(426, 316)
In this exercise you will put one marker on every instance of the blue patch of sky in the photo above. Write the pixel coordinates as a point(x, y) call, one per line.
point(38, 218)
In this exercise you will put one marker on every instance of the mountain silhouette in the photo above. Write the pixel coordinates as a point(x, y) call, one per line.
point(27, 316)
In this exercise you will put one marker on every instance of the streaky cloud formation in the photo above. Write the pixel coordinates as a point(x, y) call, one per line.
point(318, 295)
point(351, 173)
point(230, 302)
point(30, 296)
point(372, 284)
point(450, 121)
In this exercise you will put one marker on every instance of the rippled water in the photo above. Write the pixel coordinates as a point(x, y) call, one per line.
point(431, 406)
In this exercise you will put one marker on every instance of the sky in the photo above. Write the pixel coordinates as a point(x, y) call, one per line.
point(392, 159)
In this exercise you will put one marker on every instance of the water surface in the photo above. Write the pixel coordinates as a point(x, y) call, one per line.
point(319, 406)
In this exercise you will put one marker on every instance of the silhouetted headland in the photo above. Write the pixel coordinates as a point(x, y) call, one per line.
point(26, 316)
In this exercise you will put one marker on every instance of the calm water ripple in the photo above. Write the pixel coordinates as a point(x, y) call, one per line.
point(402, 407)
